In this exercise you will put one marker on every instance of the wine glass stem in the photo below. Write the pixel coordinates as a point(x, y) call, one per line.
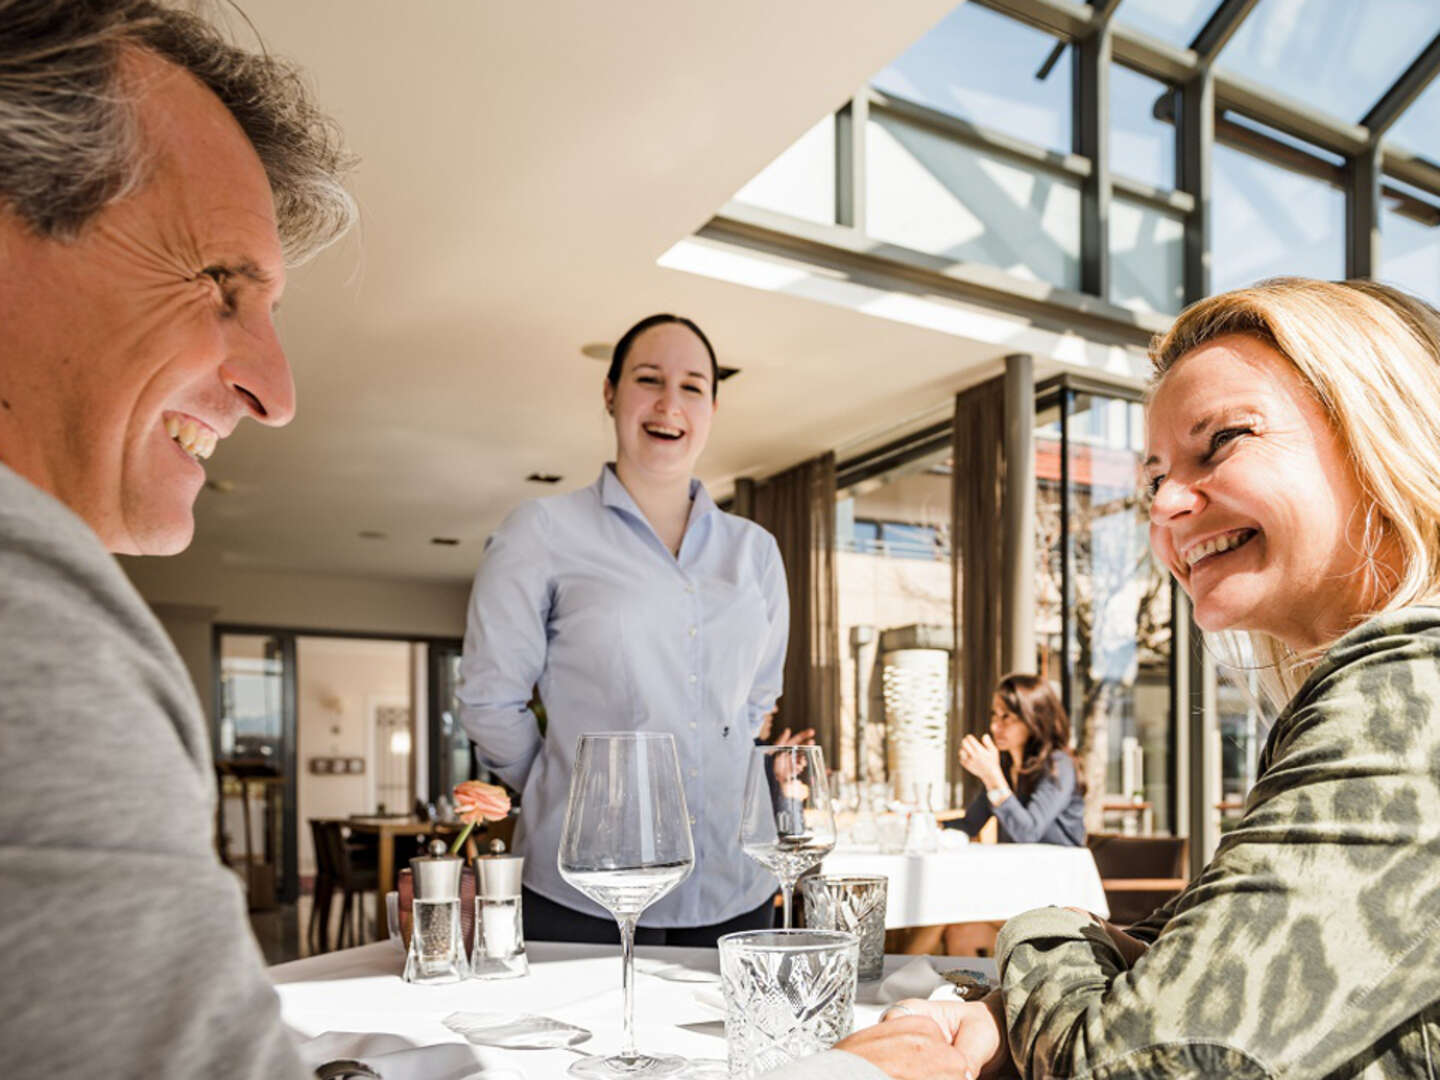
point(787, 890)
point(627, 982)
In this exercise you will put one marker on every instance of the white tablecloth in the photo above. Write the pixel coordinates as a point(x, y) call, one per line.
point(360, 990)
point(978, 882)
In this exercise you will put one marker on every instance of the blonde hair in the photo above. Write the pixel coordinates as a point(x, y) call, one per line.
point(1370, 354)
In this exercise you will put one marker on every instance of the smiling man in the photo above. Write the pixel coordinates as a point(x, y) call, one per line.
point(154, 182)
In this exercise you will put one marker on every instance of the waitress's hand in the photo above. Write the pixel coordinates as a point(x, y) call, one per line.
point(981, 759)
point(800, 738)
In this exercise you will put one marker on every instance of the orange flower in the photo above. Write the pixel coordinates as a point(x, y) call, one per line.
point(476, 801)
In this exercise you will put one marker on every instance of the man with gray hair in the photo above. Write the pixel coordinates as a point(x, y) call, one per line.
point(155, 181)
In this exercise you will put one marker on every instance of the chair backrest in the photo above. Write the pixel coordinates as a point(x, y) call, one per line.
point(324, 858)
point(1119, 856)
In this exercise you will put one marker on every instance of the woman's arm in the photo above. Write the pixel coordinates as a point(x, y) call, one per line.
point(976, 814)
point(770, 675)
point(505, 645)
point(1026, 822)
point(1308, 939)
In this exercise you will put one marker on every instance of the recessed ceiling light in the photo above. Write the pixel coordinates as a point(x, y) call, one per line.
point(598, 350)
point(544, 478)
point(444, 541)
point(371, 534)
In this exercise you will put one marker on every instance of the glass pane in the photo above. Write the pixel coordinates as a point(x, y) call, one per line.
point(982, 66)
point(254, 752)
point(1119, 638)
point(933, 194)
point(1269, 221)
point(1147, 258)
point(1242, 731)
point(1418, 128)
point(1333, 55)
point(1141, 147)
point(892, 568)
point(801, 181)
point(1409, 250)
point(1175, 21)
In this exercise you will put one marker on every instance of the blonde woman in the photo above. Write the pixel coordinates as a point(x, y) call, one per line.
point(1294, 477)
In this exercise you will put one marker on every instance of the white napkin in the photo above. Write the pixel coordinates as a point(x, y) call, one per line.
point(395, 1058)
point(515, 1031)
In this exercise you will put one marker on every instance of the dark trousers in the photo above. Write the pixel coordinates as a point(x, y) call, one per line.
point(545, 920)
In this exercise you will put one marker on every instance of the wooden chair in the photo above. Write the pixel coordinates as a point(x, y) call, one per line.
point(355, 876)
point(317, 934)
point(1138, 873)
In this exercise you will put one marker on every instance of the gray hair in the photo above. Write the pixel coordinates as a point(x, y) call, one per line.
point(69, 141)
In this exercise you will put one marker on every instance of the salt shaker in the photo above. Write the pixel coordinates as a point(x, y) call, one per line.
point(499, 951)
point(437, 949)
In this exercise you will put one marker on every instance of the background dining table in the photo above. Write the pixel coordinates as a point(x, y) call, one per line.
point(388, 830)
point(677, 1000)
point(977, 882)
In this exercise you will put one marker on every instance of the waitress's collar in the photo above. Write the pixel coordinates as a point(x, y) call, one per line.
point(615, 495)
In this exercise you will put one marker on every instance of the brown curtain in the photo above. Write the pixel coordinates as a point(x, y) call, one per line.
point(798, 507)
point(977, 561)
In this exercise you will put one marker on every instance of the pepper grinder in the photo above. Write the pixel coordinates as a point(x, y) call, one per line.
point(437, 949)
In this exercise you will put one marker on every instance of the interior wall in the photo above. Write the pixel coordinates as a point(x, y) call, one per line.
point(190, 597)
point(339, 682)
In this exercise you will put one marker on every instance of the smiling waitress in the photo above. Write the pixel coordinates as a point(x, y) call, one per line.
point(634, 604)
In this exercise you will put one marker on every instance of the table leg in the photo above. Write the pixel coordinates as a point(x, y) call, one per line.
point(385, 881)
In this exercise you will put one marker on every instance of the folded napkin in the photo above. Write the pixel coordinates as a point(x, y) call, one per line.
point(920, 979)
point(395, 1058)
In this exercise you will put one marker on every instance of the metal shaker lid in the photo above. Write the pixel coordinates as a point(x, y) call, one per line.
point(497, 877)
point(437, 877)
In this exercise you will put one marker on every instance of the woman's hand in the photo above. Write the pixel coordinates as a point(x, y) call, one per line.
point(975, 1028)
point(981, 758)
point(911, 1047)
point(800, 738)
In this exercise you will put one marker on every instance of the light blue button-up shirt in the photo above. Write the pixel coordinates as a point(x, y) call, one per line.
point(578, 595)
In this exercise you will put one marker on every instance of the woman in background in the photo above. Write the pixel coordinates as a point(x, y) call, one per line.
point(1033, 787)
point(1032, 784)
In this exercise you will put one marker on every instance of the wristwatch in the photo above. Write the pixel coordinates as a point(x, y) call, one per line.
point(995, 794)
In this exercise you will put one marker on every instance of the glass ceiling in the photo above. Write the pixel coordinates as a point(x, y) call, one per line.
point(1174, 21)
point(1337, 56)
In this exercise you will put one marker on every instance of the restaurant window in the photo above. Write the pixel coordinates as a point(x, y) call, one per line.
point(1274, 221)
point(1410, 240)
point(932, 193)
point(986, 68)
point(801, 181)
point(1103, 603)
point(892, 571)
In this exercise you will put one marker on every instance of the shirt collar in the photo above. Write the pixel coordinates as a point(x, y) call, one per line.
point(614, 495)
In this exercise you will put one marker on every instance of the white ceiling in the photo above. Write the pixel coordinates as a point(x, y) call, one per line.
point(524, 164)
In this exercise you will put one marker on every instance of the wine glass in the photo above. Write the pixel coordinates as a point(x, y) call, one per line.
point(787, 822)
point(626, 843)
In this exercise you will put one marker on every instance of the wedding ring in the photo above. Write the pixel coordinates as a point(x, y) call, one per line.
point(897, 1010)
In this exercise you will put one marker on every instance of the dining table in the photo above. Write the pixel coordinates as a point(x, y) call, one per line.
point(387, 830)
point(971, 882)
point(678, 1001)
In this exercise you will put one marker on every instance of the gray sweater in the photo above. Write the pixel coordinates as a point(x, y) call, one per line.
point(124, 943)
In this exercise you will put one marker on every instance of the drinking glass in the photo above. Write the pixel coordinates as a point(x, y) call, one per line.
point(626, 843)
point(787, 822)
point(788, 994)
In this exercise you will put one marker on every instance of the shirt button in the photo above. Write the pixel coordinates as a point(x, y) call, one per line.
point(694, 773)
point(692, 819)
point(692, 631)
point(692, 680)
point(689, 588)
point(693, 725)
